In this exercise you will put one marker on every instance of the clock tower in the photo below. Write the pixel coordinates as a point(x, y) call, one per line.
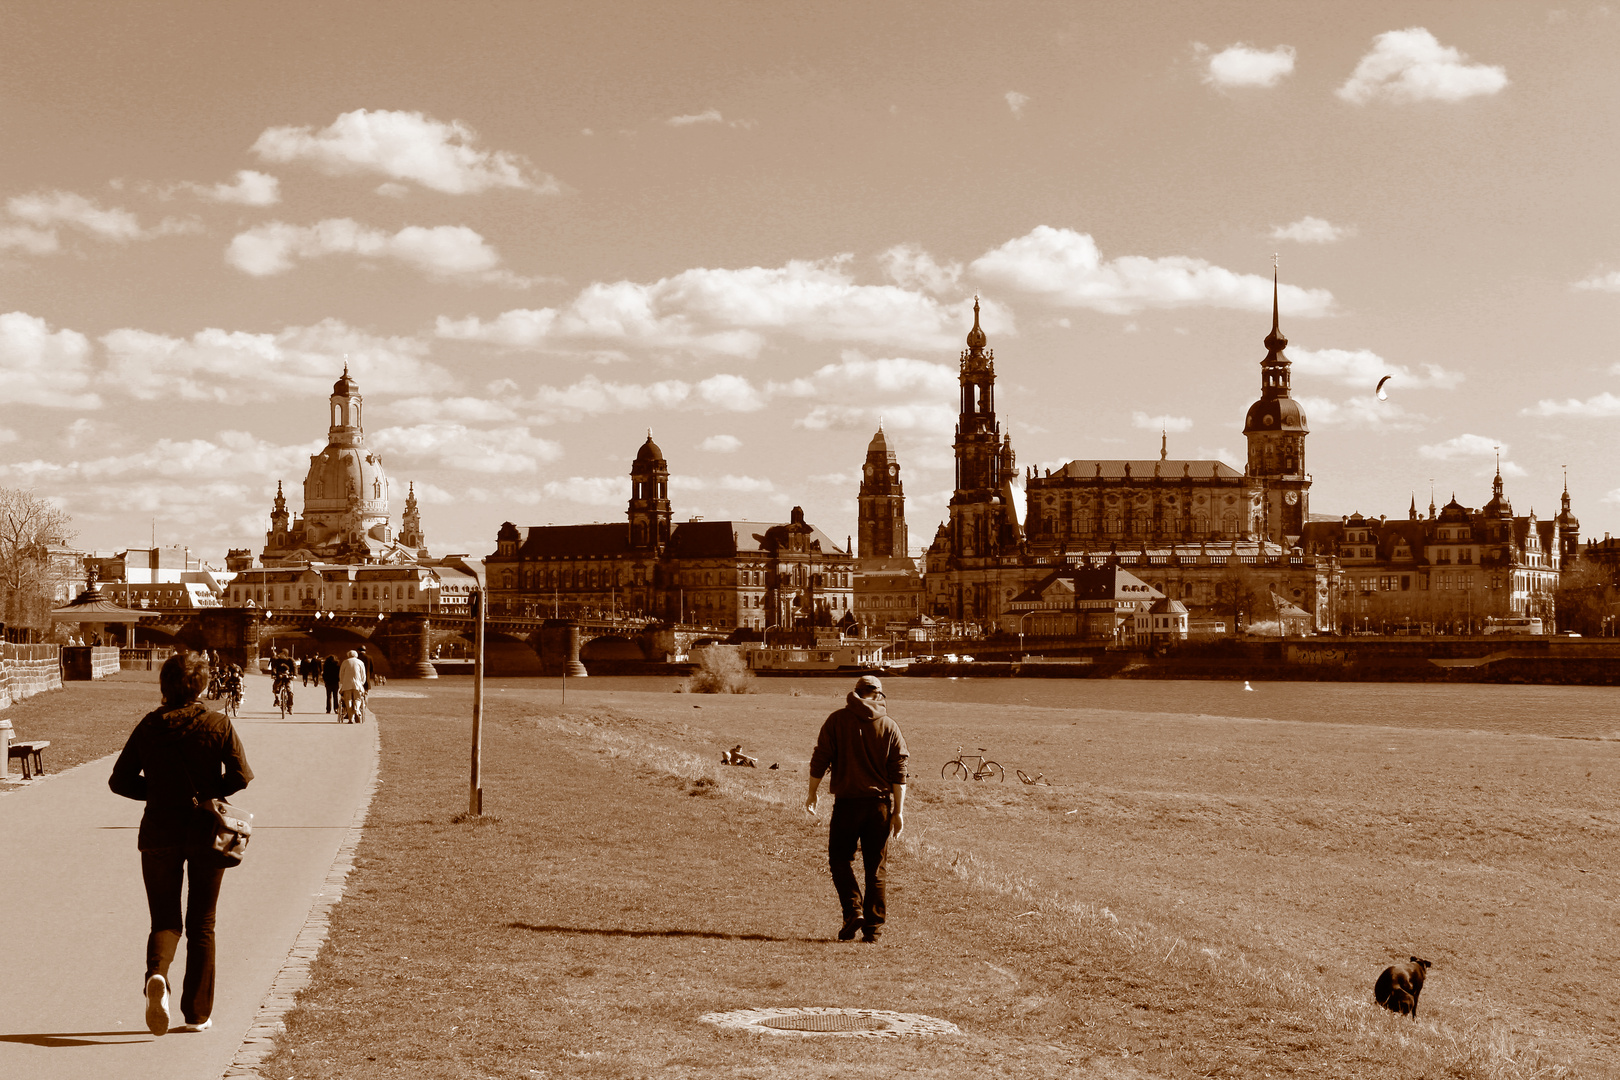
point(1275, 428)
point(882, 503)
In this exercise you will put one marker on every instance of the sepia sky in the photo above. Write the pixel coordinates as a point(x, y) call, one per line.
point(538, 230)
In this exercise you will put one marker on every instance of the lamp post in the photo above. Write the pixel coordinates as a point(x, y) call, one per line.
point(1021, 619)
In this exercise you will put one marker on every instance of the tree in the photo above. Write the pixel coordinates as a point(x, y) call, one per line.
point(1236, 592)
point(1586, 595)
point(29, 525)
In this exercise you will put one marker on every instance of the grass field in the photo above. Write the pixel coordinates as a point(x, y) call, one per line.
point(1193, 897)
point(83, 720)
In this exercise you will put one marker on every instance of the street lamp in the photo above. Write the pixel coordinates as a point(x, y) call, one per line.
point(1021, 619)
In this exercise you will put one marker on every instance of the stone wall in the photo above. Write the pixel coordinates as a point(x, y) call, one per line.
point(26, 670)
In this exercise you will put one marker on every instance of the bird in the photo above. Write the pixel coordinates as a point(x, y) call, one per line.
point(1246, 685)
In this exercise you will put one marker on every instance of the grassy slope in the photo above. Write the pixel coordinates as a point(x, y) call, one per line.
point(83, 720)
point(629, 886)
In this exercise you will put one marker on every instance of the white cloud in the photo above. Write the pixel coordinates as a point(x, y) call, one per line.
point(1016, 102)
point(233, 367)
point(442, 251)
point(8, 436)
point(230, 455)
point(910, 267)
point(1064, 267)
point(730, 392)
point(463, 409)
point(1603, 405)
point(1311, 230)
point(46, 209)
point(1177, 424)
point(589, 490)
point(1412, 65)
point(1363, 367)
point(707, 116)
point(722, 444)
point(729, 311)
point(1245, 65)
point(1364, 411)
point(591, 396)
point(1463, 446)
point(39, 366)
point(687, 482)
point(1609, 282)
point(32, 240)
point(404, 146)
point(250, 188)
point(456, 446)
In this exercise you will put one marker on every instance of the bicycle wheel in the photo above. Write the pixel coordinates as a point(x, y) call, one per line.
point(1025, 777)
point(954, 770)
point(990, 771)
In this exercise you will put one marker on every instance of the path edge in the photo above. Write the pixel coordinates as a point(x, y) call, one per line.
point(260, 1041)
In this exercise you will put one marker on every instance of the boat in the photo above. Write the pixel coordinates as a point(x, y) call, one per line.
point(834, 656)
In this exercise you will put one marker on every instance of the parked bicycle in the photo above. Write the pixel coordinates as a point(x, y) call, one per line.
point(1038, 778)
point(983, 768)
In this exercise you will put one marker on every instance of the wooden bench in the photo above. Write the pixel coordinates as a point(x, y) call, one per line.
point(29, 752)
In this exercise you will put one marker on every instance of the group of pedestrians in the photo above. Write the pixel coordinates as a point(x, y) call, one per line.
point(346, 681)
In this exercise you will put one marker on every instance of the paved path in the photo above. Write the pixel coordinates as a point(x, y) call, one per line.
point(74, 913)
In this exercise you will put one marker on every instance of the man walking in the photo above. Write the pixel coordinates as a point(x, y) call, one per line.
point(863, 747)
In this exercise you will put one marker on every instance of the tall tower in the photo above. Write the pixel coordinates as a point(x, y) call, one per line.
point(410, 525)
point(982, 522)
point(1569, 531)
point(649, 511)
point(279, 534)
point(882, 503)
point(1276, 430)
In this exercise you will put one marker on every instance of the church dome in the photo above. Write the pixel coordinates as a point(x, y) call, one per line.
point(649, 452)
point(1275, 414)
point(341, 477)
point(345, 386)
point(976, 338)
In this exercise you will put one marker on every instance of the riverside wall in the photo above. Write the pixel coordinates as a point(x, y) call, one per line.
point(26, 670)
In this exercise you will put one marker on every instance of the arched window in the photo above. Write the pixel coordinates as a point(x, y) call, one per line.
point(1200, 524)
point(1229, 523)
point(507, 581)
point(1111, 523)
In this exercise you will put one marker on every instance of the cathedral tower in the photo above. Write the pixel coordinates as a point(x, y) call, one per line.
point(882, 503)
point(649, 511)
point(410, 525)
point(983, 522)
point(1276, 430)
point(1569, 531)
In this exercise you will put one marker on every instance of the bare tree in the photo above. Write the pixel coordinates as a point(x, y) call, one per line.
point(29, 525)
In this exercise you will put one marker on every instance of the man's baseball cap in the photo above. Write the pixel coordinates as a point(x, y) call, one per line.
point(867, 685)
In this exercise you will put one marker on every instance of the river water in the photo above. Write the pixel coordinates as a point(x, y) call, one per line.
point(1589, 712)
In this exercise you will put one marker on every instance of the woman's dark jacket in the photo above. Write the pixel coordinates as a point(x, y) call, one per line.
point(329, 672)
point(175, 757)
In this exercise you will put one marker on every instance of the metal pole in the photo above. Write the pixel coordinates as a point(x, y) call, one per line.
point(475, 796)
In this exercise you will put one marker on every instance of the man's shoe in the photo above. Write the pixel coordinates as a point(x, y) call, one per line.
point(848, 931)
point(202, 1025)
point(157, 1005)
point(870, 935)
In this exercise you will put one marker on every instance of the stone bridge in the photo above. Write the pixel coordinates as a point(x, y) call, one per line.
point(401, 642)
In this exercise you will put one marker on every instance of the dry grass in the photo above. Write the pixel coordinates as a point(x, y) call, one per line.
point(720, 670)
point(84, 720)
point(1146, 918)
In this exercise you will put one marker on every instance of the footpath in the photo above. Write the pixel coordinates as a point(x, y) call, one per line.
point(75, 916)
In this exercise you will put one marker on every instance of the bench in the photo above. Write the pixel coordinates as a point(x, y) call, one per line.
point(29, 752)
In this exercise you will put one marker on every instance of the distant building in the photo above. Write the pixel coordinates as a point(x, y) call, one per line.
point(889, 594)
point(725, 574)
point(339, 587)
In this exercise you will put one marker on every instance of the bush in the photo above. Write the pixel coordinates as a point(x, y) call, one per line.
point(720, 670)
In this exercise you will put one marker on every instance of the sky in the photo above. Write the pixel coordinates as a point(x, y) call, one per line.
point(538, 231)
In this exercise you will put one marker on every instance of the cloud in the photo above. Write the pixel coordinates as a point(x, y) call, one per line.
point(1177, 424)
point(1244, 65)
point(8, 436)
point(708, 116)
point(1363, 367)
point(404, 146)
point(1064, 267)
point(1016, 102)
point(229, 455)
point(722, 444)
point(1609, 282)
point(39, 366)
point(731, 392)
point(464, 409)
point(1603, 405)
point(46, 209)
point(729, 312)
point(1311, 230)
point(1411, 65)
point(1463, 446)
point(591, 396)
point(456, 446)
point(32, 240)
point(1364, 411)
point(589, 490)
point(249, 189)
point(236, 367)
point(446, 251)
point(910, 267)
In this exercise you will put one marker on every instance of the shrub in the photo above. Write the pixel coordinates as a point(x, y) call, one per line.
point(720, 670)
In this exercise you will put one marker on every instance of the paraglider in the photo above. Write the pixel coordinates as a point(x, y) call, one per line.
point(1383, 395)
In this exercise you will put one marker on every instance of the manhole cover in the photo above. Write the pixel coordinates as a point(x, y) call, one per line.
point(859, 1023)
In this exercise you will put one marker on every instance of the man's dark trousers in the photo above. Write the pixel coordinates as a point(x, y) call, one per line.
point(863, 821)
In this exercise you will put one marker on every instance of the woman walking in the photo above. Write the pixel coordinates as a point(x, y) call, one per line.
point(177, 758)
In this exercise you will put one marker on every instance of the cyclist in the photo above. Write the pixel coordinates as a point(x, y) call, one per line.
point(231, 683)
point(281, 677)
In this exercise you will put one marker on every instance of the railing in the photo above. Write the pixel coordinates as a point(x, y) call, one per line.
point(141, 659)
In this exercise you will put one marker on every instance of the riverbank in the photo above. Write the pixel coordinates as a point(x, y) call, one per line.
point(1213, 896)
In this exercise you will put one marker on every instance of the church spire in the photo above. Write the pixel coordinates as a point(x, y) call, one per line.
point(1275, 342)
point(976, 339)
point(1164, 443)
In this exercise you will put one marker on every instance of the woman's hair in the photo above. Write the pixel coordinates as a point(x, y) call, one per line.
point(183, 678)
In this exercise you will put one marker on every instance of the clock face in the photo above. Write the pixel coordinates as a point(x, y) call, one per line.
point(1292, 497)
point(894, 470)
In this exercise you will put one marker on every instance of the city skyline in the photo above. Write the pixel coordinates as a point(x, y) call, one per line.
point(758, 231)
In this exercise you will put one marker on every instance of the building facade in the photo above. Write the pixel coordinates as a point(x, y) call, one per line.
point(724, 574)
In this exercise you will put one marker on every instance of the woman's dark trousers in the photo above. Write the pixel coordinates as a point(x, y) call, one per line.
point(333, 702)
point(863, 821)
point(162, 869)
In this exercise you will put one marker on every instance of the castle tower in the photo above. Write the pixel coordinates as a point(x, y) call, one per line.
point(649, 511)
point(1275, 428)
point(1569, 530)
point(280, 523)
point(981, 522)
point(410, 525)
point(881, 503)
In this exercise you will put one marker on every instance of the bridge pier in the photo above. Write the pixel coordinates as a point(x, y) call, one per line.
point(558, 646)
point(405, 639)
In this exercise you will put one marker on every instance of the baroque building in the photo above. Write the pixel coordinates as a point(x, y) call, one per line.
point(1222, 542)
point(725, 574)
point(345, 517)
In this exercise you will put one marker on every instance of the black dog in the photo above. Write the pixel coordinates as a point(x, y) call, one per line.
point(1397, 989)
